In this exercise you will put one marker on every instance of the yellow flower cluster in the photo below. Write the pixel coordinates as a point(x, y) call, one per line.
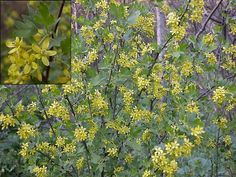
point(126, 61)
point(219, 95)
point(118, 126)
point(25, 150)
point(112, 152)
point(69, 148)
point(10, 19)
point(78, 65)
point(166, 160)
point(145, 24)
point(197, 132)
point(80, 134)
point(173, 22)
point(98, 104)
point(46, 148)
point(227, 140)
point(26, 131)
point(60, 141)
point(7, 120)
point(161, 162)
point(102, 4)
point(109, 38)
point(192, 107)
point(92, 130)
point(230, 50)
point(221, 123)
point(233, 28)
point(187, 68)
point(129, 158)
point(80, 163)
point(92, 56)
point(127, 97)
point(40, 171)
point(147, 173)
point(24, 60)
point(211, 58)
point(32, 107)
point(58, 110)
point(146, 136)
point(208, 39)
point(197, 10)
point(118, 170)
point(88, 34)
point(75, 87)
point(139, 114)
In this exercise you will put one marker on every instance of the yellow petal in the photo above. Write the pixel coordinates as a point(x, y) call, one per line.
point(36, 48)
point(45, 43)
point(27, 69)
point(12, 51)
point(34, 65)
point(51, 52)
point(45, 61)
point(39, 75)
point(10, 44)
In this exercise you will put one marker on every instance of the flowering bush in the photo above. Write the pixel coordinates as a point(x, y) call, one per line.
point(128, 111)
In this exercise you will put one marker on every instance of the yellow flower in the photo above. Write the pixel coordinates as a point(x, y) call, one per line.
point(26, 131)
point(227, 140)
point(24, 152)
point(139, 114)
point(118, 170)
point(146, 136)
point(208, 39)
point(187, 68)
point(197, 11)
point(60, 141)
point(113, 152)
point(6, 121)
point(221, 123)
point(80, 134)
point(193, 108)
point(58, 110)
point(80, 163)
point(43, 52)
point(15, 45)
point(219, 95)
point(40, 171)
point(129, 158)
point(147, 173)
point(196, 131)
point(211, 58)
point(145, 24)
point(102, 4)
point(69, 148)
point(88, 34)
point(125, 61)
point(98, 104)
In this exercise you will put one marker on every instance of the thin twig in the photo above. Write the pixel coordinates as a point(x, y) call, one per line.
point(41, 102)
point(208, 18)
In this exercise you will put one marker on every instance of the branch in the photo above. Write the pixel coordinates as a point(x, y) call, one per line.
point(41, 102)
point(45, 79)
point(208, 18)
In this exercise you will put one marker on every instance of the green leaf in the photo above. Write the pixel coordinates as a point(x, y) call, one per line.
point(133, 17)
point(66, 46)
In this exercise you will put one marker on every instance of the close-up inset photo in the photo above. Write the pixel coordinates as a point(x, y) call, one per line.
point(35, 42)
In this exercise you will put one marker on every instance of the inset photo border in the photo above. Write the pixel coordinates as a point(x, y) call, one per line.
point(35, 42)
